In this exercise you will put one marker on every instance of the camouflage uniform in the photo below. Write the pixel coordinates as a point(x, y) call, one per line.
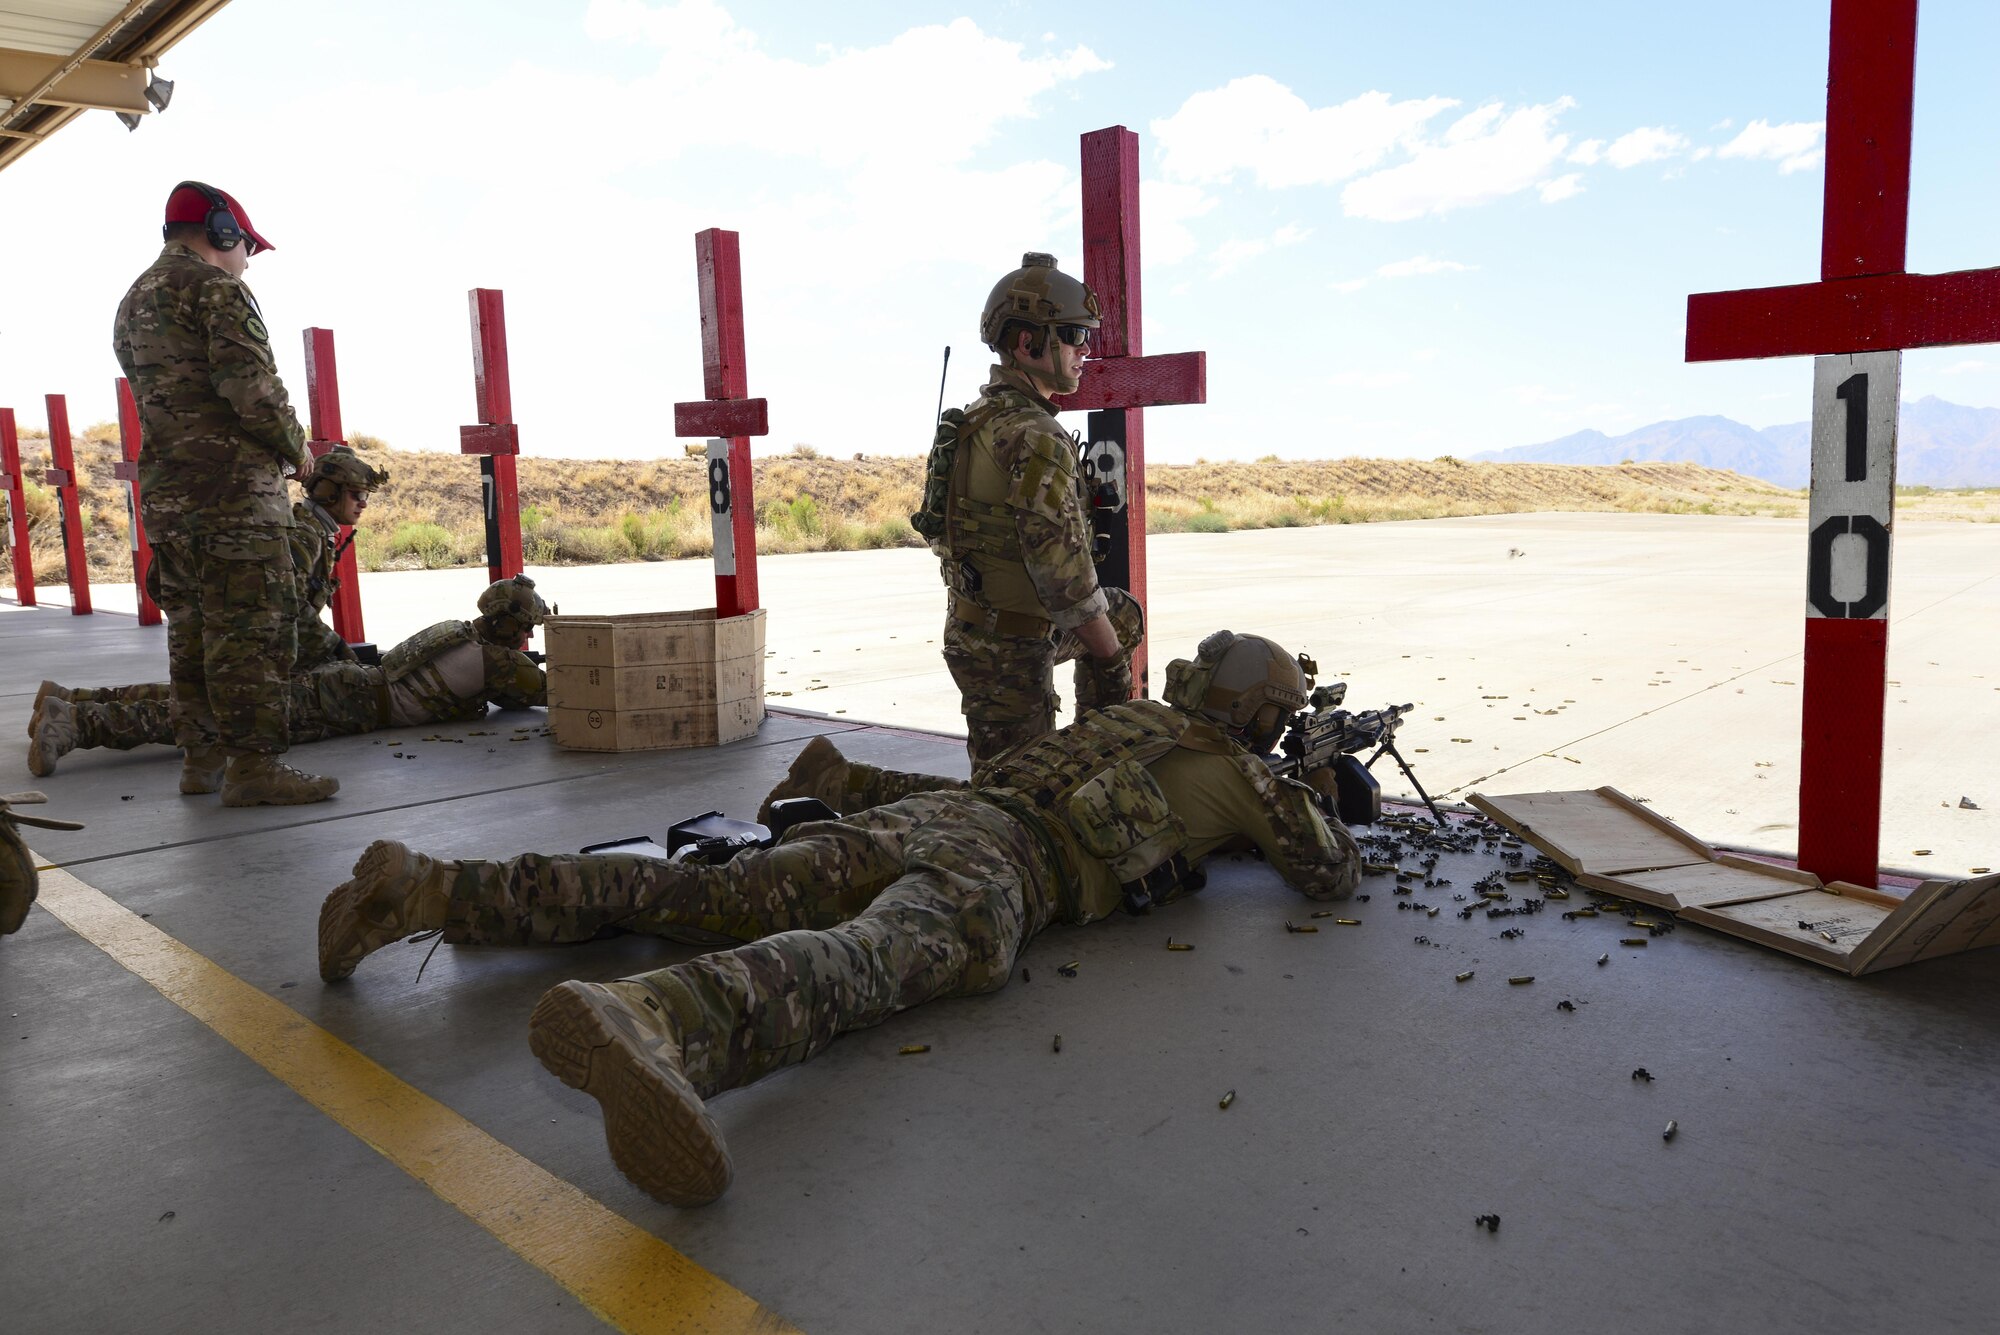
point(446, 675)
point(1018, 563)
point(313, 535)
point(932, 895)
point(218, 434)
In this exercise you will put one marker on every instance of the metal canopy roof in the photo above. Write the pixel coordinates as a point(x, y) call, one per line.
point(61, 58)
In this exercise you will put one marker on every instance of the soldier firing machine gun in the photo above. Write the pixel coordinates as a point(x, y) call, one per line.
point(1323, 739)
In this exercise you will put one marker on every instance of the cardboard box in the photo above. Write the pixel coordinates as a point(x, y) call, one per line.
point(1611, 843)
point(652, 680)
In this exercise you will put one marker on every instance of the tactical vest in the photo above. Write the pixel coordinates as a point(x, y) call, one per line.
point(980, 545)
point(1092, 777)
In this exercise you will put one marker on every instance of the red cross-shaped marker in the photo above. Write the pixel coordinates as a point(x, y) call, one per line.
point(1855, 320)
point(1119, 383)
point(728, 416)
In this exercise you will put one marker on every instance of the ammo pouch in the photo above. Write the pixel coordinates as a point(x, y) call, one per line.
point(1163, 885)
point(426, 645)
point(928, 521)
point(1121, 818)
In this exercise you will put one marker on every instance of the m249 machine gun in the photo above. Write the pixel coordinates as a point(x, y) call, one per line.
point(1325, 739)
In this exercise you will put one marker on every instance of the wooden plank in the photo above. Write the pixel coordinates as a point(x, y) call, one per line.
point(1851, 315)
point(1598, 830)
point(723, 417)
point(1140, 382)
point(1870, 77)
point(1939, 918)
point(1727, 880)
point(1794, 924)
point(656, 729)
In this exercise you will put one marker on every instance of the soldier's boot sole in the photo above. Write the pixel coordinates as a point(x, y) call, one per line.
point(48, 688)
point(53, 738)
point(817, 771)
point(201, 771)
point(660, 1134)
point(277, 785)
point(376, 908)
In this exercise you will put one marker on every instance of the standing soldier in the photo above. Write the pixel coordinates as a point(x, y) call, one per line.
point(1007, 517)
point(220, 437)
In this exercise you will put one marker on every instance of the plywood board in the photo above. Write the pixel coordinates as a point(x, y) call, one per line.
point(643, 638)
point(1941, 918)
point(1595, 830)
point(1800, 924)
point(1727, 880)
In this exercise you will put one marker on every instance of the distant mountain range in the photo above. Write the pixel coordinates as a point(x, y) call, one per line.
point(1938, 444)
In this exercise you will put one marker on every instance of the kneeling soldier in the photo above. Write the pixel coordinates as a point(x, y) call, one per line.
point(848, 921)
point(443, 673)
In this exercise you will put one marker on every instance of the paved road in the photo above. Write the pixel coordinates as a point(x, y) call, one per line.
point(1656, 653)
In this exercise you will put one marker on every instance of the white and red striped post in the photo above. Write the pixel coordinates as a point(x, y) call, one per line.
point(729, 417)
point(1854, 321)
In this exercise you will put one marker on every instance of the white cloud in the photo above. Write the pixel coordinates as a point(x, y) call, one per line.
point(1794, 145)
point(1234, 254)
point(1485, 155)
point(1561, 188)
point(1349, 285)
point(1164, 210)
point(1422, 264)
point(1644, 145)
point(1587, 153)
point(1258, 125)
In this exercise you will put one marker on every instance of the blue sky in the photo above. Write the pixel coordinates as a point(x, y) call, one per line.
point(1398, 230)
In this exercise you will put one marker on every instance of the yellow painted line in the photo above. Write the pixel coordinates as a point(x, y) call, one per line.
point(625, 1275)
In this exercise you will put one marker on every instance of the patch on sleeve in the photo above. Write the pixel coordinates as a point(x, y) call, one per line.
point(255, 328)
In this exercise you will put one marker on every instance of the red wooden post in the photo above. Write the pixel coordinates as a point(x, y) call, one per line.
point(1120, 382)
point(496, 439)
point(728, 415)
point(323, 407)
point(17, 509)
point(1855, 320)
point(127, 470)
point(62, 476)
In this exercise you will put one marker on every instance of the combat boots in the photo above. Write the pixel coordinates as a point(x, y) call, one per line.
point(818, 771)
point(617, 1043)
point(47, 690)
point(53, 737)
point(262, 780)
point(395, 893)
point(202, 769)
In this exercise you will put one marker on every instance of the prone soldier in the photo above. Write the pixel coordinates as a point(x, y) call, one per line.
point(1005, 511)
point(444, 673)
point(219, 436)
point(925, 888)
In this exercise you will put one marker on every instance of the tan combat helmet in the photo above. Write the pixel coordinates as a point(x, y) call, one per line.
point(341, 467)
point(508, 610)
point(1248, 684)
point(1037, 293)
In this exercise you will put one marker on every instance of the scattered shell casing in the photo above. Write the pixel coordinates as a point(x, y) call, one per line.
point(1828, 936)
point(1178, 945)
point(1347, 922)
point(1462, 977)
point(1520, 876)
point(1227, 1099)
point(1058, 1045)
point(1668, 1134)
point(1557, 892)
point(1067, 970)
point(1323, 913)
point(1525, 978)
point(912, 1049)
point(1631, 940)
point(1294, 927)
point(1604, 959)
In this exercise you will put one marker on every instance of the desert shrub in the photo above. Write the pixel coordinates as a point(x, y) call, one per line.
point(1208, 521)
point(431, 544)
point(364, 443)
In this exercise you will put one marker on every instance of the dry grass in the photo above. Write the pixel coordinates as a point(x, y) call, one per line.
point(587, 511)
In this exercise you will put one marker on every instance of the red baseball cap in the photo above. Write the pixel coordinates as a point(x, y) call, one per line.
point(188, 204)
